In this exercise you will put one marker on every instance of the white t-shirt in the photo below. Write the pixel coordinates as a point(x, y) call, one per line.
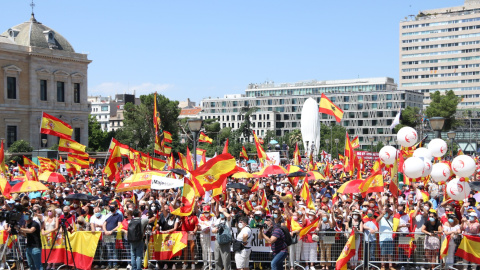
point(404, 219)
point(97, 221)
point(386, 229)
point(245, 230)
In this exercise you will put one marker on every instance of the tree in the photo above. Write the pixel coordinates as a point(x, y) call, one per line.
point(444, 106)
point(138, 123)
point(245, 127)
point(331, 133)
point(410, 117)
point(97, 138)
point(19, 147)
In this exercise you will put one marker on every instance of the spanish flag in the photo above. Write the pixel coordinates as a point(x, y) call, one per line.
point(243, 153)
point(214, 172)
point(293, 225)
point(225, 148)
point(249, 206)
point(189, 160)
point(188, 199)
point(82, 163)
point(56, 127)
point(123, 148)
point(297, 159)
point(469, 249)
point(5, 186)
point(167, 136)
point(2, 160)
point(255, 186)
point(263, 201)
point(309, 228)
point(444, 248)
point(355, 143)
point(167, 246)
point(374, 183)
point(72, 168)
point(46, 164)
point(200, 151)
point(28, 163)
point(204, 138)
point(347, 253)
point(260, 152)
point(111, 167)
point(326, 106)
point(306, 196)
point(71, 146)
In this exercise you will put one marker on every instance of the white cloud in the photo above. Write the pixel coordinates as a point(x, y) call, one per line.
point(112, 88)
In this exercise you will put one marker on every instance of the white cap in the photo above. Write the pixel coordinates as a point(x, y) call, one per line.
point(473, 214)
point(259, 213)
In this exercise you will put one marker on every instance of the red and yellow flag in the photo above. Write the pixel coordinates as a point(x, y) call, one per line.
point(200, 151)
point(260, 152)
point(71, 146)
point(297, 158)
point(326, 106)
point(214, 172)
point(28, 163)
point(469, 249)
point(72, 168)
point(111, 167)
point(166, 246)
point(309, 228)
point(204, 138)
point(306, 196)
point(374, 183)
point(444, 248)
point(5, 187)
point(2, 160)
point(355, 143)
point(255, 186)
point(123, 148)
point(167, 136)
point(347, 253)
point(293, 225)
point(188, 199)
point(243, 153)
point(225, 148)
point(82, 163)
point(46, 164)
point(56, 127)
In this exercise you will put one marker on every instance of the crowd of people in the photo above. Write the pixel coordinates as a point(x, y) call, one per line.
point(428, 221)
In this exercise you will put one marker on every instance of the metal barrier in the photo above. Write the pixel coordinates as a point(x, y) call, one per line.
point(408, 250)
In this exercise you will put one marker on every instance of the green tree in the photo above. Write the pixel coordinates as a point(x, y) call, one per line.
point(19, 147)
point(245, 127)
point(331, 133)
point(138, 122)
point(410, 117)
point(96, 136)
point(444, 106)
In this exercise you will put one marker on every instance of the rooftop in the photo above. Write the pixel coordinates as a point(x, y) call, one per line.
point(312, 83)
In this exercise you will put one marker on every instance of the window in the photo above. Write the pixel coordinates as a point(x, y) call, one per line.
point(11, 135)
point(346, 106)
point(76, 93)
point(43, 90)
point(11, 88)
point(389, 96)
point(77, 134)
point(104, 108)
point(60, 91)
point(360, 106)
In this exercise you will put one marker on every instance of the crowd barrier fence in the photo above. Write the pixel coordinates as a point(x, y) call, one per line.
point(407, 250)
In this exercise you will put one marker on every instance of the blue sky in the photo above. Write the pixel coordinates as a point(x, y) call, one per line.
point(198, 49)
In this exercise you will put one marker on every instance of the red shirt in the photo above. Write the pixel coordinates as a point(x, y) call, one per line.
point(189, 223)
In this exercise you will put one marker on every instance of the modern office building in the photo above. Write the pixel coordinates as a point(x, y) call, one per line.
point(100, 108)
point(109, 111)
point(370, 105)
point(440, 50)
point(41, 72)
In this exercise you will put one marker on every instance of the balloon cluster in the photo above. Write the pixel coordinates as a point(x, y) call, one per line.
point(420, 163)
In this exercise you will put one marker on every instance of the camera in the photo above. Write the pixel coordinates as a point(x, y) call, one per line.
point(262, 226)
point(12, 217)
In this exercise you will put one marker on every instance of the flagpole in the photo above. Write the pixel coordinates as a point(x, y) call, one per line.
point(331, 138)
point(106, 155)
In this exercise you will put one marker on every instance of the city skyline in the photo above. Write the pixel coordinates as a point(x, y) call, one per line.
point(198, 50)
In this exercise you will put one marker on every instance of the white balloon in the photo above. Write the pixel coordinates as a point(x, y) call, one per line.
point(407, 136)
point(387, 154)
point(427, 168)
point(423, 152)
point(440, 172)
point(457, 190)
point(463, 166)
point(438, 147)
point(413, 167)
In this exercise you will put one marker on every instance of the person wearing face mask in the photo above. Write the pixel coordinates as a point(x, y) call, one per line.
point(221, 251)
point(110, 227)
point(420, 216)
point(49, 226)
point(432, 229)
point(387, 247)
point(370, 228)
point(452, 228)
point(470, 225)
point(257, 220)
point(309, 246)
point(244, 236)
point(294, 223)
point(326, 225)
point(355, 222)
point(34, 244)
point(189, 225)
point(205, 223)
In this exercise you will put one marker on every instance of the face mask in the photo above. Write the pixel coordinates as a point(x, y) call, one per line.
point(26, 217)
point(254, 204)
point(240, 225)
point(372, 205)
point(369, 215)
point(275, 215)
point(299, 213)
point(274, 201)
point(153, 208)
point(431, 219)
point(450, 220)
point(150, 202)
point(401, 212)
point(426, 208)
point(98, 214)
point(99, 192)
point(66, 213)
point(131, 209)
point(387, 215)
point(324, 219)
point(142, 207)
point(67, 203)
point(50, 214)
point(222, 216)
point(355, 217)
point(471, 218)
point(112, 208)
point(295, 218)
point(364, 209)
point(75, 205)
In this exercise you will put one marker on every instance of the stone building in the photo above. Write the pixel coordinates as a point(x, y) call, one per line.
point(41, 72)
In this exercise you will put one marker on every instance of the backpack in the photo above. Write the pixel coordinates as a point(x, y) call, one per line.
point(224, 235)
point(288, 238)
point(135, 231)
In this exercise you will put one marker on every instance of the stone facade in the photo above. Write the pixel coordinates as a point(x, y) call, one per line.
point(32, 66)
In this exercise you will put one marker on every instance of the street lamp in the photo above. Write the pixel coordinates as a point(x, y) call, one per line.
point(371, 139)
point(136, 141)
point(44, 142)
point(436, 123)
point(387, 140)
point(195, 125)
point(327, 141)
point(451, 136)
point(336, 146)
